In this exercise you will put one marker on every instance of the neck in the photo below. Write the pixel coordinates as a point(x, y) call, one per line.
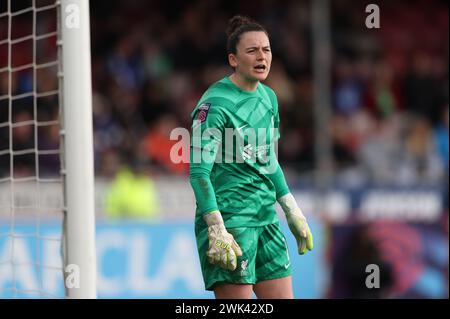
point(242, 83)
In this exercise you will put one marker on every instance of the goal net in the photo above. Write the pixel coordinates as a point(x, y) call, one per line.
point(44, 253)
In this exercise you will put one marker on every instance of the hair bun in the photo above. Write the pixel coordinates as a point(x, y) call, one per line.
point(236, 22)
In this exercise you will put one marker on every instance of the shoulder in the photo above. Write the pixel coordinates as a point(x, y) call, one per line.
point(213, 101)
point(220, 94)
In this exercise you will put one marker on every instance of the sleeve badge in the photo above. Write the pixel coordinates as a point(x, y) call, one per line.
point(203, 112)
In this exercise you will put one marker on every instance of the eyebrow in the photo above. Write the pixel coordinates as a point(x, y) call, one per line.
point(255, 47)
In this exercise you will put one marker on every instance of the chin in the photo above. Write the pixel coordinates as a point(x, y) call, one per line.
point(260, 77)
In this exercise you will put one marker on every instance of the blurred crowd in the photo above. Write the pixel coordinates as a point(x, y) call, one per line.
point(152, 60)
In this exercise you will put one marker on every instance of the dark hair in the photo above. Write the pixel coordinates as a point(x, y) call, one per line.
point(238, 25)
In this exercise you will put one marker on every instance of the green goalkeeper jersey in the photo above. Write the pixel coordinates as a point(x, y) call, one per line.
point(233, 167)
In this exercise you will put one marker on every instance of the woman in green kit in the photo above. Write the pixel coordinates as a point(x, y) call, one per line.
point(240, 243)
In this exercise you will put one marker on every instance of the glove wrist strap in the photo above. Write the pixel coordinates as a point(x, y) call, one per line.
point(289, 205)
point(213, 218)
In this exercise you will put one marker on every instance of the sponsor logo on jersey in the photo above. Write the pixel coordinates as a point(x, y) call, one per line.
point(259, 153)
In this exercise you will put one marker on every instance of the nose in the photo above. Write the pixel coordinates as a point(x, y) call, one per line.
point(260, 55)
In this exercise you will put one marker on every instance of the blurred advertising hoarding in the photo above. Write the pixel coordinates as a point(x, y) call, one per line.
point(404, 231)
point(135, 261)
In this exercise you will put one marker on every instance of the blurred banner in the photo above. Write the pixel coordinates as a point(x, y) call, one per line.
point(139, 261)
point(412, 258)
point(404, 231)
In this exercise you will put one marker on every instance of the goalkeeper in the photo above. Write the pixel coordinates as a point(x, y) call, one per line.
point(240, 243)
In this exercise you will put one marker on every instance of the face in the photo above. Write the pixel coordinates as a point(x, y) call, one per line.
point(253, 56)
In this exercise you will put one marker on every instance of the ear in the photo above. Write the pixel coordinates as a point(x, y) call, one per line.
point(232, 60)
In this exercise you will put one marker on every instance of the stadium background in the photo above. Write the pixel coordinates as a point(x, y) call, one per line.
point(387, 201)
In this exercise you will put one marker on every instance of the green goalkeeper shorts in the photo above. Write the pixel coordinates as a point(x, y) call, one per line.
point(264, 256)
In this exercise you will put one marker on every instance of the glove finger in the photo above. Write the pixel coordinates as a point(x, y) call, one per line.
point(223, 260)
point(217, 259)
point(299, 243)
point(309, 241)
point(302, 246)
point(236, 248)
point(232, 260)
point(226, 261)
point(303, 232)
point(212, 255)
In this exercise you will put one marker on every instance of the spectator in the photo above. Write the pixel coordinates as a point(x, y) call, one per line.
point(132, 195)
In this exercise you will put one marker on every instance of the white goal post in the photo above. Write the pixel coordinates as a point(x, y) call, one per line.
point(47, 217)
point(77, 140)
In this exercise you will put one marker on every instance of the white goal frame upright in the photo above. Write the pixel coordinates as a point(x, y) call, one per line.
point(77, 144)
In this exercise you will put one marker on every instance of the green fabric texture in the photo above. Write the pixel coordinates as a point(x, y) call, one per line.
point(241, 179)
point(265, 256)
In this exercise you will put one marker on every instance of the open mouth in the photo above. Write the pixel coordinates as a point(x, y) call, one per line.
point(260, 67)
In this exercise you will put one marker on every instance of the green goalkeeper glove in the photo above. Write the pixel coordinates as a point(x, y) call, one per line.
point(223, 249)
point(297, 223)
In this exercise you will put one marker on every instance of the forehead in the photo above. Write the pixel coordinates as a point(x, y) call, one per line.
point(254, 39)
